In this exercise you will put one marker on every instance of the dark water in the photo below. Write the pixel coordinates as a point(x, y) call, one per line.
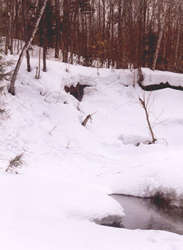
point(142, 214)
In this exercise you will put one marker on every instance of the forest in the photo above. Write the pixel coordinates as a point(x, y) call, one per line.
point(91, 97)
point(102, 33)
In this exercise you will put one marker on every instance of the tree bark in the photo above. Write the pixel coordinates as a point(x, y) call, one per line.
point(57, 39)
point(162, 25)
point(9, 23)
point(26, 46)
point(28, 61)
point(178, 40)
point(44, 58)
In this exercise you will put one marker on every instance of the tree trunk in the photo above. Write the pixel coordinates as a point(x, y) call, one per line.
point(9, 23)
point(57, 39)
point(44, 58)
point(178, 40)
point(162, 25)
point(25, 31)
point(28, 61)
point(26, 46)
point(12, 26)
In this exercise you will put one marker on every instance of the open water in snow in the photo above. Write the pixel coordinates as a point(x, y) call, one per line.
point(142, 214)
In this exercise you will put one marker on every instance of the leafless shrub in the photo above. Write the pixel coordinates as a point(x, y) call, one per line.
point(163, 199)
point(145, 105)
point(168, 200)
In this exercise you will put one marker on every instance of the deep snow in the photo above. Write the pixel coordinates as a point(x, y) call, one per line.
point(69, 170)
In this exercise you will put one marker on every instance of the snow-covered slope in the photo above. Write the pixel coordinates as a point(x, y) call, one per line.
point(69, 169)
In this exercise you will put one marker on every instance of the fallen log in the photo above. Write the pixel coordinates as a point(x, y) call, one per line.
point(153, 87)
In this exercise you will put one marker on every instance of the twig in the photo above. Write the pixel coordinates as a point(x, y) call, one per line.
point(88, 117)
point(14, 163)
point(144, 106)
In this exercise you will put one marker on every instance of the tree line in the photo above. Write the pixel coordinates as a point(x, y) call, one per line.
point(102, 33)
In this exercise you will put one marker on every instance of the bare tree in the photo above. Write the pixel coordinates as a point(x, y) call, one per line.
point(58, 26)
point(162, 26)
point(113, 33)
point(26, 46)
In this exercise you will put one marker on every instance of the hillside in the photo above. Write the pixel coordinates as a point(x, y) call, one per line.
point(53, 199)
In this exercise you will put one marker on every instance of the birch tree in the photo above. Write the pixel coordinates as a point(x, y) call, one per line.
point(162, 26)
point(25, 47)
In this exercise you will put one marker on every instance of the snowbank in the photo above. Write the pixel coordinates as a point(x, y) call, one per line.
point(69, 169)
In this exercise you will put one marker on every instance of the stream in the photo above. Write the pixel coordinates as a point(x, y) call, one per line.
point(140, 213)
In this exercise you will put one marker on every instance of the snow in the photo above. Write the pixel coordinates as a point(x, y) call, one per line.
point(155, 77)
point(69, 170)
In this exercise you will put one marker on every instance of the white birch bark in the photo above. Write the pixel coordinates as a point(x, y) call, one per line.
point(162, 26)
point(25, 47)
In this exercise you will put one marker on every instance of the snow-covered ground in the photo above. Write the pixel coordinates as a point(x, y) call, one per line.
point(68, 170)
